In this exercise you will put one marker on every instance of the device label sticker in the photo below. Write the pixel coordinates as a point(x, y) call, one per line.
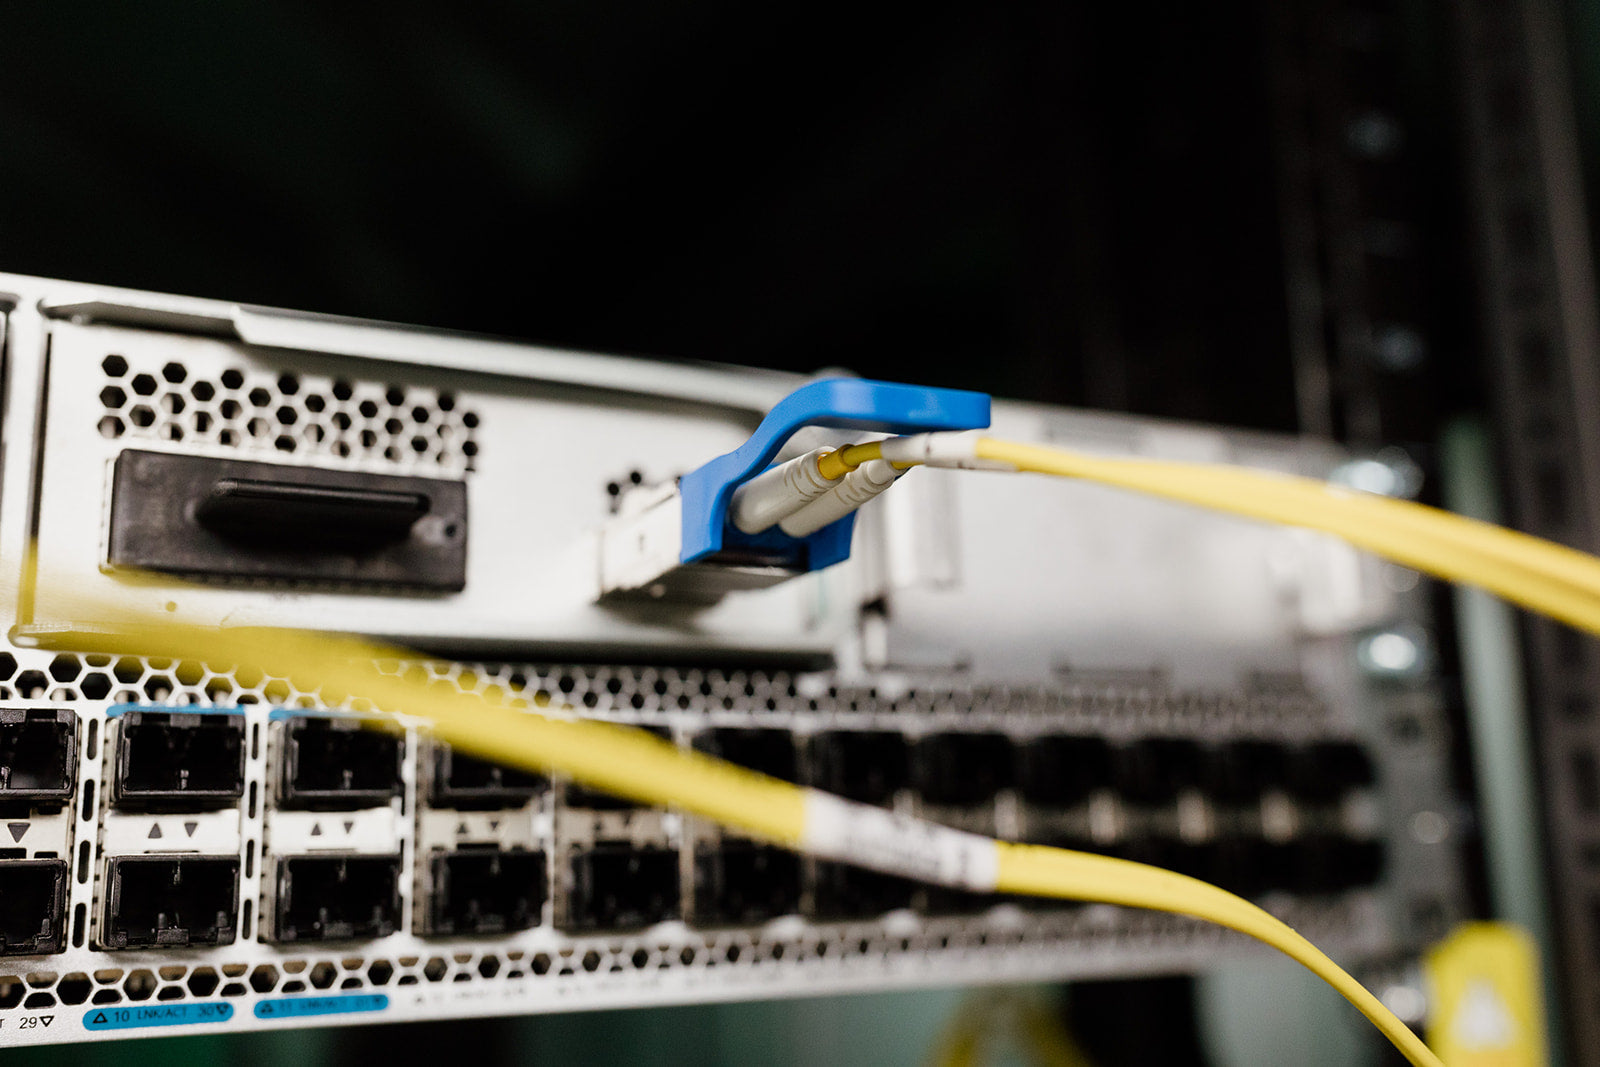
point(295, 1007)
point(156, 1015)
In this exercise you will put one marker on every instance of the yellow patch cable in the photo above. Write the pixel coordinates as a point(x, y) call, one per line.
point(1540, 575)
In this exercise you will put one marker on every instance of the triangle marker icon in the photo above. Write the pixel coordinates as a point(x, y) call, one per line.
point(190, 827)
point(316, 829)
point(17, 830)
point(155, 831)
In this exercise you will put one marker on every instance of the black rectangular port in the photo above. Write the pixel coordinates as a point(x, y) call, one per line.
point(766, 749)
point(1060, 770)
point(236, 519)
point(1325, 864)
point(170, 900)
point(170, 760)
point(333, 762)
point(486, 892)
point(845, 892)
point(1155, 770)
point(468, 783)
point(618, 887)
point(740, 883)
point(38, 754)
point(581, 796)
point(1238, 772)
point(337, 898)
point(33, 902)
point(1327, 770)
point(962, 768)
point(865, 765)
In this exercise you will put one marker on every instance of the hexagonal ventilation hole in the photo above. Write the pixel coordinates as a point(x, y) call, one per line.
point(74, 988)
point(114, 366)
point(32, 684)
point(380, 972)
point(139, 985)
point(435, 970)
point(232, 378)
point(323, 974)
point(204, 981)
point(174, 373)
point(111, 426)
point(143, 384)
point(64, 668)
point(202, 391)
point(264, 979)
point(113, 397)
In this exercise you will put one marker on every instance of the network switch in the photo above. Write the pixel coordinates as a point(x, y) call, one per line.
point(199, 847)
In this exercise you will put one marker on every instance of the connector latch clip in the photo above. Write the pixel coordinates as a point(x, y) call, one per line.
point(712, 555)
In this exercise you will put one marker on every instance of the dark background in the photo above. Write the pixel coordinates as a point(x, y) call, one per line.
point(1064, 202)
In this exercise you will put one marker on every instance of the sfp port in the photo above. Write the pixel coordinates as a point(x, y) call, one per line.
point(865, 765)
point(1326, 864)
point(1240, 772)
point(486, 891)
point(34, 896)
point(845, 892)
point(1329, 769)
point(766, 749)
point(333, 762)
point(618, 887)
point(1060, 770)
point(466, 782)
point(1156, 770)
point(337, 898)
point(1248, 866)
point(38, 754)
point(742, 883)
point(962, 768)
point(170, 901)
point(581, 796)
point(176, 760)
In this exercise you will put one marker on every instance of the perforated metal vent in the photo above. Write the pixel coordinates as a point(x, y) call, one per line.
point(647, 691)
point(251, 409)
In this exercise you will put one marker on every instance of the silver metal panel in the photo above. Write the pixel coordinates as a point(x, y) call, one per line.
point(977, 602)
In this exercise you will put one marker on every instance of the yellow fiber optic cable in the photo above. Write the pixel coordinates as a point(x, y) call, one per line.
point(631, 763)
point(1546, 577)
point(1537, 574)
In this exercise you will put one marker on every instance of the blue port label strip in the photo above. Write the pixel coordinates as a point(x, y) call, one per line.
point(156, 1015)
point(176, 709)
point(298, 1007)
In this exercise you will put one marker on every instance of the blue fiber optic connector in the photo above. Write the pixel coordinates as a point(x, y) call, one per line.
point(841, 403)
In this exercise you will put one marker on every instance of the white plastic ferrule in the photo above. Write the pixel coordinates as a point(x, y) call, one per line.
point(780, 492)
point(853, 490)
point(949, 449)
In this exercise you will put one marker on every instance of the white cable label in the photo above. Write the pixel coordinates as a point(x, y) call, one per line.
point(840, 829)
